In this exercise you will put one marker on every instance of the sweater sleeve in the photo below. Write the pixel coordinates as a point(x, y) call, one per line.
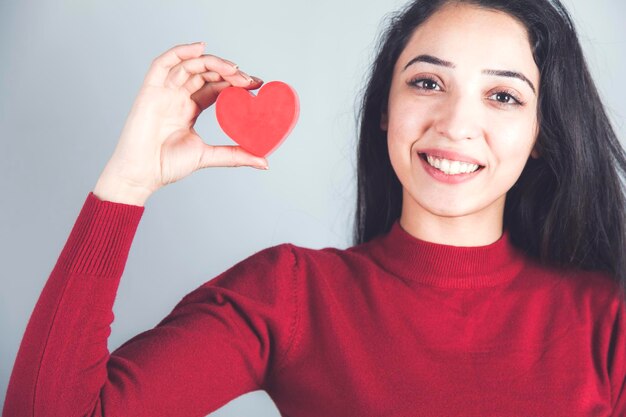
point(220, 341)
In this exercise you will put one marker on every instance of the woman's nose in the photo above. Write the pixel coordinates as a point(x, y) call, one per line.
point(459, 118)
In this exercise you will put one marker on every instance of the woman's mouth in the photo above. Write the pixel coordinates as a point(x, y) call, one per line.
point(448, 170)
point(450, 167)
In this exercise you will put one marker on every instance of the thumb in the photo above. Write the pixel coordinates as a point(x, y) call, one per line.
point(230, 156)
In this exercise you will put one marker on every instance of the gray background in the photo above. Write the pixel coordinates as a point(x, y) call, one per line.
point(70, 71)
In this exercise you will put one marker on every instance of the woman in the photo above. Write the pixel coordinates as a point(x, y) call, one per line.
point(478, 286)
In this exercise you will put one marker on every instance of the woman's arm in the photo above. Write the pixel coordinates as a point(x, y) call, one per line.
point(73, 311)
point(63, 366)
point(218, 343)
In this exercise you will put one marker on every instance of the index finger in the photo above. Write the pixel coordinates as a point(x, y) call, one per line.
point(161, 65)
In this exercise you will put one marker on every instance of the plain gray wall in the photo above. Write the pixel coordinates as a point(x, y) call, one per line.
point(69, 74)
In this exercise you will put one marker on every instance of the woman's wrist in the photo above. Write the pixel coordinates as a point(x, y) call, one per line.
point(117, 191)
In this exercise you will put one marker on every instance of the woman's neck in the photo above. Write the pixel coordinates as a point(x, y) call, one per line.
point(476, 229)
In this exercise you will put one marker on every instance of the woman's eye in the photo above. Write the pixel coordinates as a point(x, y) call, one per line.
point(424, 83)
point(503, 98)
point(506, 98)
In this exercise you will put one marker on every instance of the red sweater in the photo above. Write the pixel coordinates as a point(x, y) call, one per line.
point(394, 327)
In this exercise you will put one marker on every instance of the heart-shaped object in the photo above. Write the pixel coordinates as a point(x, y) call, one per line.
point(259, 124)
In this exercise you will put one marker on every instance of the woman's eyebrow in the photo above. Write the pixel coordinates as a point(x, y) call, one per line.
point(512, 74)
point(501, 73)
point(430, 60)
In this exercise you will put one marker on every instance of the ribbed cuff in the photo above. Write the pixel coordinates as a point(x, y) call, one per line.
point(101, 238)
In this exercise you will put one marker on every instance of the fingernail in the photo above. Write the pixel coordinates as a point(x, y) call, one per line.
point(263, 167)
point(246, 76)
point(257, 79)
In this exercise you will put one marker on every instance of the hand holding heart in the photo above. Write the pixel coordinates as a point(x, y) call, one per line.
point(158, 144)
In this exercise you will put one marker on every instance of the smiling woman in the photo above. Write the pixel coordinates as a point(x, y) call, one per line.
point(487, 275)
point(490, 83)
point(469, 114)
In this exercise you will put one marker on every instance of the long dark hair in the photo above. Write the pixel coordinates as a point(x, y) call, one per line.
point(568, 206)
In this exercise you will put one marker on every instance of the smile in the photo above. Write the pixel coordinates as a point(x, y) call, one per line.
point(449, 170)
point(450, 167)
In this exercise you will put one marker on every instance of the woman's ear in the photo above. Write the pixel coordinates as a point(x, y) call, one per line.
point(534, 153)
point(383, 121)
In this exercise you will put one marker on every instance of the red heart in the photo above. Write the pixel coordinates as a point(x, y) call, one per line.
point(259, 124)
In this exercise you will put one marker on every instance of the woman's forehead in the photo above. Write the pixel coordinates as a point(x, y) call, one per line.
point(467, 36)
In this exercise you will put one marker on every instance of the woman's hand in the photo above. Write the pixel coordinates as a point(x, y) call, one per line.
point(159, 144)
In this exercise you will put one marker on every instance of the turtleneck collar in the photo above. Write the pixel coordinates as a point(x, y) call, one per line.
point(447, 266)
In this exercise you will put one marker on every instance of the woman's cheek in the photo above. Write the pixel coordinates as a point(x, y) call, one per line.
point(401, 128)
point(412, 122)
point(513, 137)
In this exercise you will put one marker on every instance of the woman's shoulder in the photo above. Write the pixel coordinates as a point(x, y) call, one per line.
point(327, 255)
point(294, 257)
point(288, 268)
point(583, 286)
point(281, 251)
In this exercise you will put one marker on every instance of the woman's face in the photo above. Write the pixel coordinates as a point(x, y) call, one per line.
point(463, 94)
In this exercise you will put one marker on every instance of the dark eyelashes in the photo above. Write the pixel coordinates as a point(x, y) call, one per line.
point(415, 81)
point(516, 100)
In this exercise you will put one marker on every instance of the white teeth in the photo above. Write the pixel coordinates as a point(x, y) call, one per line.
point(451, 167)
